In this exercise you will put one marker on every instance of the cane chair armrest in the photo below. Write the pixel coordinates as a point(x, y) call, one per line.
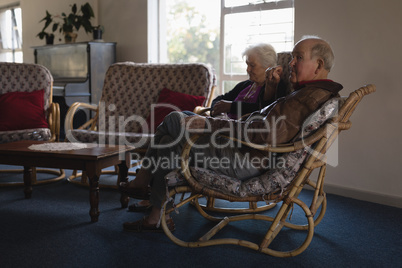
point(90, 124)
point(278, 148)
point(288, 147)
point(54, 120)
point(201, 110)
point(205, 110)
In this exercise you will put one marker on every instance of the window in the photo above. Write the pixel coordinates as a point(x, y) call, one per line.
point(251, 22)
point(191, 31)
point(10, 34)
point(217, 32)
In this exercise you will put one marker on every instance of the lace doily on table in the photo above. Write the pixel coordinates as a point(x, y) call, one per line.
point(60, 146)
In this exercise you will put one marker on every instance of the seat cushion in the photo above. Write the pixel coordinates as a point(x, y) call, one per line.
point(37, 134)
point(22, 110)
point(168, 102)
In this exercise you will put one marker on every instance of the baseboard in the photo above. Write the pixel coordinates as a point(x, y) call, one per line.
point(389, 200)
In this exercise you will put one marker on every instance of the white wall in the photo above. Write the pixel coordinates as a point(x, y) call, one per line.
point(34, 10)
point(367, 40)
point(125, 22)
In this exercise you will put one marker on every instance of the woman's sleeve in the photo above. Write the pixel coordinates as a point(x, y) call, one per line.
point(231, 95)
point(247, 107)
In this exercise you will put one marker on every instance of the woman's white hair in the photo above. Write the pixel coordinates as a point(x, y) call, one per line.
point(265, 54)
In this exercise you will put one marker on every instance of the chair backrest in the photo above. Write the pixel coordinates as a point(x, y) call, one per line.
point(283, 60)
point(25, 77)
point(131, 88)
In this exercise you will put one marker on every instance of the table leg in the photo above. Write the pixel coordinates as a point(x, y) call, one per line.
point(123, 177)
point(94, 197)
point(28, 181)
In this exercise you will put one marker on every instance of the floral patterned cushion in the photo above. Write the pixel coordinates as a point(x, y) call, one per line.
point(17, 77)
point(39, 134)
point(272, 180)
point(25, 78)
point(131, 88)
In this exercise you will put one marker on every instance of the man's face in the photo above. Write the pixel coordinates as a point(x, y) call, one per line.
point(302, 67)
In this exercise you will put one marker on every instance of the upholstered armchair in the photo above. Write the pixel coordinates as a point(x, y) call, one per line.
point(27, 111)
point(135, 99)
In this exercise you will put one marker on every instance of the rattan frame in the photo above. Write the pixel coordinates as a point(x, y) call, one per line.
point(314, 213)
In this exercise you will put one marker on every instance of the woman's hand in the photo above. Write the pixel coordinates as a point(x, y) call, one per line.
point(272, 78)
point(221, 107)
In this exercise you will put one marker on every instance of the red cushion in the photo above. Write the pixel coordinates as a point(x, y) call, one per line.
point(22, 110)
point(170, 101)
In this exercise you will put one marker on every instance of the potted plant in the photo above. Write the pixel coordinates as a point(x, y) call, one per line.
point(97, 32)
point(43, 34)
point(49, 37)
point(69, 22)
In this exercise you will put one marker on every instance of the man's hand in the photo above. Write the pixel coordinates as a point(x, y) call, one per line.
point(194, 123)
point(272, 78)
point(221, 107)
point(273, 75)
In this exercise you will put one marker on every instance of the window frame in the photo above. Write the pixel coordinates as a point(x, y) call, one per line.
point(16, 35)
point(258, 6)
point(157, 47)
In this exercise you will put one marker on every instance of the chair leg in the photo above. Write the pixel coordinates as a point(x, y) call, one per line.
point(276, 225)
point(59, 175)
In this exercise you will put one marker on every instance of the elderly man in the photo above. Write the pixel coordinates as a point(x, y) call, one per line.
point(277, 123)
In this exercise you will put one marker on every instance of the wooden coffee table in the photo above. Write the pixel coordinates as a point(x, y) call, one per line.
point(92, 160)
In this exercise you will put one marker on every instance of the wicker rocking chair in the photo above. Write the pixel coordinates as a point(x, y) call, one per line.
point(319, 133)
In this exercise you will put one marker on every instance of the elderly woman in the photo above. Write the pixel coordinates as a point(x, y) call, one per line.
point(250, 95)
point(246, 97)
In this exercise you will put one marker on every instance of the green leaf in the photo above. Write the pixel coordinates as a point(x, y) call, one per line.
point(55, 26)
point(87, 11)
point(74, 9)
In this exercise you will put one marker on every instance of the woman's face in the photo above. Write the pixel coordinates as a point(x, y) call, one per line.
point(255, 71)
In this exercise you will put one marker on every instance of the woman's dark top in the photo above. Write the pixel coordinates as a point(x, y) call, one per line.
point(247, 107)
